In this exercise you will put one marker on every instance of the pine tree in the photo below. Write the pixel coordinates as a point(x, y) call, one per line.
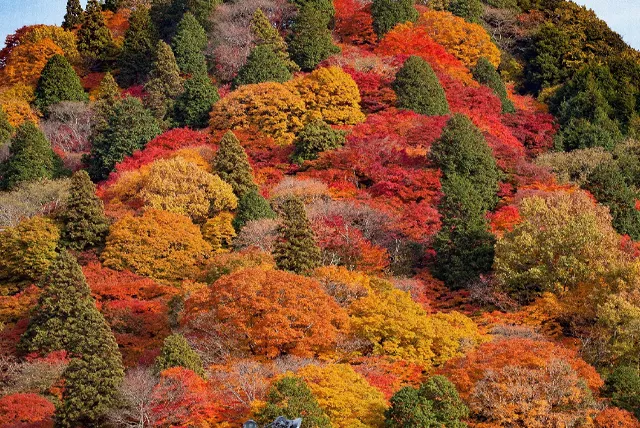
point(188, 46)
point(486, 74)
point(417, 88)
point(66, 318)
point(193, 106)
point(94, 38)
point(263, 65)
point(165, 84)
point(73, 17)
point(316, 137)
point(232, 165)
point(388, 13)
point(167, 14)
point(176, 352)
point(108, 91)
point(6, 130)
point(30, 157)
point(266, 34)
point(58, 82)
point(324, 6)
point(112, 5)
point(137, 50)
point(471, 10)
point(310, 40)
point(296, 249)
point(252, 206)
point(85, 224)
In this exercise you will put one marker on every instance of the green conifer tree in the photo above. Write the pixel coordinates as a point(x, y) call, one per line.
point(470, 10)
point(417, 88)
point(388, 13)
point(486, 74)
point(252, 206)
point(193, 106)
point(112, 5)
point(296, 249)
point(85, 224)
point(188, 46)
point(263, 65)
point(30, 158)
point(108, 90)
point(324, 6)
point(623, 387)
point(316, 137)
point(94, 38)
point(165, 84)
point(266, 34)
point(176, 352)
point(232, 165)
point(167, 14)
point(73, 17)
point(310, 40)
point(58, 82)
point(137, 49)
point(6, 130)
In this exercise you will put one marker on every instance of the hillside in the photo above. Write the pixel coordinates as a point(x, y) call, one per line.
point(363, 214)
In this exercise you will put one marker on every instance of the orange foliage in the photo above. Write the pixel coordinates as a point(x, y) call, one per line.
point(388, 376)
point(16, 307)
point(504, 220)
point(354, 23)
point(26, 410)
point(616, 418)
point(25, 63)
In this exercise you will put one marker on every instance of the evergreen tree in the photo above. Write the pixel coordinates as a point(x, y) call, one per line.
point(388, 13)
point(108, 90)
point(310, 40)
point(471, 10)
point(291, 397)
point(58, 82)
point(85, 224)
point(137, 50)
point(127, 127)
point(176, 352)
point(324, 6)
point(296, 249)
point(112, 5)
point(417, 88)
point(252, 206)
point(66, 318)
point(263, 65)
point(188, 46)
point(623, 387)
point(73, 17)
point(167, 14)
point(486, 74)
point(165, 84)
point(266, 34)
point(232, 165)
point(94, 38)
point(193, 106)
point(316, 137)
point(30, 158)
point(6, 130)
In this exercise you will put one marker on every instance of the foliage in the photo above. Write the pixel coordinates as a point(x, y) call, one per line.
point(176, 352)
point(252, 206)
point(58, 82)
point(315, 138)
point(94, 38)
point(188, 45)
point(486, 74)
point(622, 386)
point(232, 165)
point(26, 61)
point(192, 107)
point(470, 10)
point(265, 34)
point(614, 417)
point(24, 409)
point(387, 13)
point(73, 17)
point(219, 232)
point(417, 88)
point(263, 65)
point(32, 198)
point(135, 60)
point(165, 83)
point(310, 40)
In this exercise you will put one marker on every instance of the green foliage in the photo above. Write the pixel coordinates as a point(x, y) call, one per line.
point(417, 88)
point(265, 34)
point(252, 206)
point(263, 65)
point(471, 10)
point(73, 17)
point(316, 137)
point(388, 13)
point(137, 50)
point(176, 352)
point(85, 224)
point(189, 44)
point(165, 83)
point(112, 5)
point(436, 404)
point(94, 38)
point(296, 249)
point(623, 387)
point(545, 65)
point(30, 158)
point(584, 134)
point(324, 6)
point(6, 130)
point(58, 82)
point(291, 397)
point(193, 106)
point(108, 91)
point(128, 127)
point(310, 40)
point(167, 14)
point(232, 165)
point(486, 74)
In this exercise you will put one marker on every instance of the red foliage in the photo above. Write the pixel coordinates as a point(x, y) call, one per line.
point(534, 129)
point(354, 24)
point(504, 220)
point(375, 90)
point(26, 410)
point(92, 80)
point(389, 376)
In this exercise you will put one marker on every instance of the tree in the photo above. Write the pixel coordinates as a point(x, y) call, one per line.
point(623, 387)
point(232, 165)
point(30, 158)
point(310, 40)
point(193, 106)
point(127, 127)
point(26, 61)
point(470, 10)
point(324, 6)
point(188, 46)
point(94, 38)
point(435, 404)
point(108, 91)
point(388, 13)
point(316, 137)
point(176, 352)
point(291, 397)
point(58, 82)
point(486, 74)
point(137, 49)
point(6, 130)
point(417, 88)
point(22, 409)
point(112, 5)
point(219, 232)
point(167, 14)
point(296, 249)
point(85, 224)
point(165, 83)
point(73, 17)
point(265, 34)
point(263, 65)
point(252, 206)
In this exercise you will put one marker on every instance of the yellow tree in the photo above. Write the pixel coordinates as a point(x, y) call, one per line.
point(25, 63)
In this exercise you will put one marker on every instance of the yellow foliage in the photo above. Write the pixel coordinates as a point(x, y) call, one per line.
point(219, 232)
point(201, 156)
point(345, 396)
point(343, 285)
point(66, 40)
point(453, 334)
point(271, 108)
point(26, 61)
point(330, 94)
point(466, 41)
point(18, 112)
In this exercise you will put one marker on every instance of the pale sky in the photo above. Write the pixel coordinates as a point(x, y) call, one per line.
point(621, 15)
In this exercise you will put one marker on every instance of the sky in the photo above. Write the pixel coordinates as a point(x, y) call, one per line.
point(621, 15)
